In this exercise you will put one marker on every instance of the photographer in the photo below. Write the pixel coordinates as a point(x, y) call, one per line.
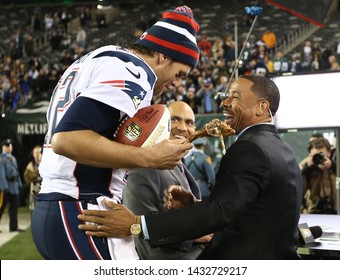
point(319, 180)
point(206, 95)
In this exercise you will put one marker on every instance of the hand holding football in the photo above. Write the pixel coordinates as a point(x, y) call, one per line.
point(149, 126)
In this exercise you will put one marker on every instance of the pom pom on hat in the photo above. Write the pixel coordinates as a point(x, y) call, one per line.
point(184, 9)
point(174, 35)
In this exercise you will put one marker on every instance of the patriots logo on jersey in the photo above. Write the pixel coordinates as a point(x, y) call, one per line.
point(130, 88)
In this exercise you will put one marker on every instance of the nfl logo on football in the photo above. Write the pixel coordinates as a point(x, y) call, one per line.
point(133, 131)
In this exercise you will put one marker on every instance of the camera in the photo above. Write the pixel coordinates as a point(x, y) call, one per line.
point(318, 158)
point(220, 95)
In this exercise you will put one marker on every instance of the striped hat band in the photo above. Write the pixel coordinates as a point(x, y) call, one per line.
point(174, 36)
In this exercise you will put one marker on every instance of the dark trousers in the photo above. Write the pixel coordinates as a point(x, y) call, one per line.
point(13, 201)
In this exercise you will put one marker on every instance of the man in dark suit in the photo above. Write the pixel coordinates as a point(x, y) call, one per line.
point(145, 187)
point(254, 207)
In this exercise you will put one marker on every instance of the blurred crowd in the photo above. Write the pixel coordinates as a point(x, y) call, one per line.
point(27, 74)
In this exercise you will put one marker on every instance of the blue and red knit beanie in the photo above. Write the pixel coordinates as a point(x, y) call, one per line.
point(174, 36)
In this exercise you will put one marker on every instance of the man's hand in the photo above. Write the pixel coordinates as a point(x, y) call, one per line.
point(176, 197)
point(205, 238)
point(326, 165)
point(115, 222)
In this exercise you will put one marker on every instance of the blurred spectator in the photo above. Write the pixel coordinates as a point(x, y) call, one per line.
point(325, 54)
point(217, 50)
point(53, 78)
point(280, 63)
point(229, 50)
point(193, 78)
point(66, 60)
point(338, 51)
point(168, 97)
point(316, 62)
point(11, 98)
point(204, 57)
point(25, 86)
point(41, 86)
point(36, 22)
point(28, 45)
point(48, 21)
point(65, 18)
point(18, 43)
point(333, 63)
point(81, 37)
point(206, 95)
point(193, 100)
point(269, 38)
point(66, 42)
point(316, 48)
point(220, 69)
point(55, 40)
point(181, 93)
point(257, 67)
point(306, 56)
point(221, 85)
point(260, 52)
point(295, 64)
point(243, 65)
point(85, 16)
point(205, 45)
point(32, 177)
point(269, 63)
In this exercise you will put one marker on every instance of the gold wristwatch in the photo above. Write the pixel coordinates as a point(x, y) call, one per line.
point(136, 227)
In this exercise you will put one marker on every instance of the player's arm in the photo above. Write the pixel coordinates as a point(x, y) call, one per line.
point(90, 148)
point(84, 133)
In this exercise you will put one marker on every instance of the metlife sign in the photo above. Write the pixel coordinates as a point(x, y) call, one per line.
point(31, 128)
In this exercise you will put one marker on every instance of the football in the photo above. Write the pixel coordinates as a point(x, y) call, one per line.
point(149, 126)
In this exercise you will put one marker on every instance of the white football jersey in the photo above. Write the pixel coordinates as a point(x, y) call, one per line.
point(109, 75)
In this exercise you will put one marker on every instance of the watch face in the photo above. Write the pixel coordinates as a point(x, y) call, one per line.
point(135, 229)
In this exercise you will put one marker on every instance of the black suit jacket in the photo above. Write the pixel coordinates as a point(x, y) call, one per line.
point(254, 207)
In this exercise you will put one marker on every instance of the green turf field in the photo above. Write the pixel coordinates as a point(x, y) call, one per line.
point(20, 247)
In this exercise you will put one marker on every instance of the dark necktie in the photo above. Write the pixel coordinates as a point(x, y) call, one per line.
point(181, 168)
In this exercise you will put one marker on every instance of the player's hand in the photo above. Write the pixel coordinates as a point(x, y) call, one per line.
point(176, 197)
point(167, 154)
point(115, 222)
